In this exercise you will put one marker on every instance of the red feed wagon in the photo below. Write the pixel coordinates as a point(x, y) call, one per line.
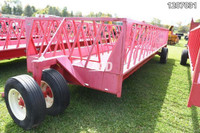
point(114, 53)
point(12, 38)
point(193, 53)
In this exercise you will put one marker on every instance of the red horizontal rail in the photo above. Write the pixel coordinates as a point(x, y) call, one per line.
point(12, 31)
point(143, 41)
point(67, 31)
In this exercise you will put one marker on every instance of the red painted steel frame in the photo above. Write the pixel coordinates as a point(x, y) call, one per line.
point(194, 56)
point(12, 38)
point(115, 51)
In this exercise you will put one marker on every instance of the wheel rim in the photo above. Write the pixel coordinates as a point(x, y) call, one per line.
point(17, 104)
point(48, 94)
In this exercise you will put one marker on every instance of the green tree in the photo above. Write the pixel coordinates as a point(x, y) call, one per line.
point(166, 26)
point(6, 9)
point(42, 11)
point(109, 15)
point(53, 11)
point(78, 14)
point(71, 14)
point(182, 28)
point(17, 10)
point(198, 20)
point(106, 15)
point(14, 10)
point(33, 9)
point(13, 3)
point(28, 11)
point(92, 14)
point(64, 12)
point(56, 11)
point(50, 11)
point(99, 14)
point(156, 21)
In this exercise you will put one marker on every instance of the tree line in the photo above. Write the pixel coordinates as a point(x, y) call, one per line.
point(180, 28)
point(14, 7)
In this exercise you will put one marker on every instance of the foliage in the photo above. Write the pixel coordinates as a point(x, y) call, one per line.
point(182, 28)
point(33, 9)
point(91, 14)
point(72, 14)
point(41, 11)
point(6, 9)
point(166, 26)
point(17, 10)
point(14, 7)
point(64, 12)
point(28, 11)
point(198, 20)
point(156, 21)
point(99, 14)
point(53, 11)
point(78, 14)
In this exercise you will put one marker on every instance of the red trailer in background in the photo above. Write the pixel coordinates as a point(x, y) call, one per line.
point(193, 24)
point(108, 54)
point(12, 38)
point(193, 53)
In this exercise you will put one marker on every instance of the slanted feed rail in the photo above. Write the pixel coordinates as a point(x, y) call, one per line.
point(90, 52)
point(12, 38)
point(193, 52)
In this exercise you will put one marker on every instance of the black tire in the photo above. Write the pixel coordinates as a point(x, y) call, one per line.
point(184, 57)
point(59, 87)
point(32, 96)
point(164, 55)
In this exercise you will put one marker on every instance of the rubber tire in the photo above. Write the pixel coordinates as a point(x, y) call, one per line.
point(164, 55)
point(33, 98)
point(184, 57)
point(60, 91)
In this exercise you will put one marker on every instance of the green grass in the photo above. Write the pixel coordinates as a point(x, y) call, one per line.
point(181, 43)
point(154, 99)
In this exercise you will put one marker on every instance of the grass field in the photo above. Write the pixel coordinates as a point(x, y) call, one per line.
point(154, 99)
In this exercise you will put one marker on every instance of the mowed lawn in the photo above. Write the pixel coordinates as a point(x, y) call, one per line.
point(154, 99)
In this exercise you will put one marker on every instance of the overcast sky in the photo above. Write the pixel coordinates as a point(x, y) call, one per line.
point(134, 9)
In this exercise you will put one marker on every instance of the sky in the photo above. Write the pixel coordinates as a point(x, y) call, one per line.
point(141, 10)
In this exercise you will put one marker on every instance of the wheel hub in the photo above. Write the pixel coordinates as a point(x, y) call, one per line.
point(17, 104)
point(48, 94)
point(21, 102)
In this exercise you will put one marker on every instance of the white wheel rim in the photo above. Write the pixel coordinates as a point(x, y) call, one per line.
point(18, 108)
point(48, 94)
